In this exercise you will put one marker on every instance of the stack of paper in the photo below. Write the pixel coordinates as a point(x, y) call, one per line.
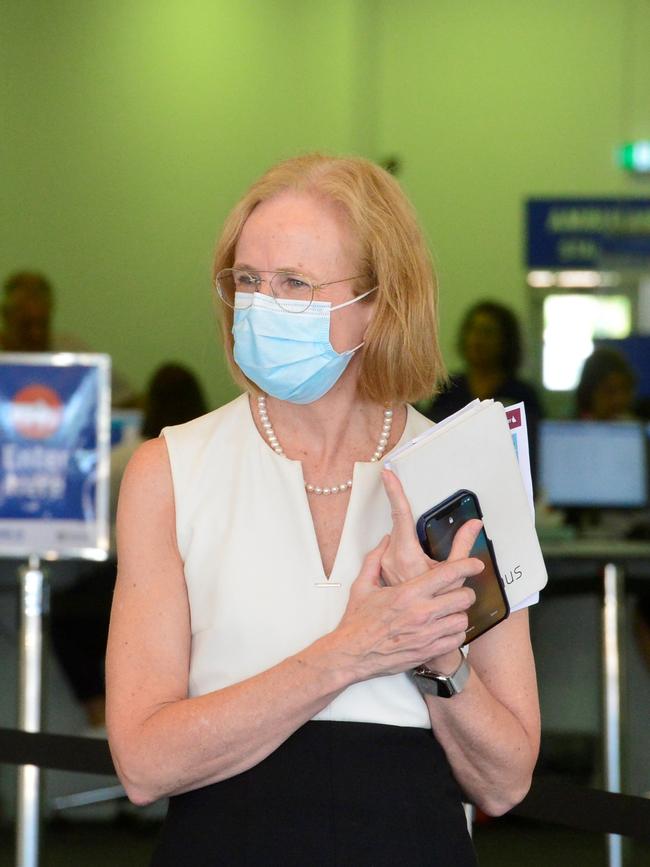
point(475, 450)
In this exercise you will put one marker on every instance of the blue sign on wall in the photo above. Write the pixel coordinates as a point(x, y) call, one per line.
point(587, 233)
point(54, 439)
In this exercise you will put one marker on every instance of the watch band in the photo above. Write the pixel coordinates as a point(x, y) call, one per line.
point(442, 685)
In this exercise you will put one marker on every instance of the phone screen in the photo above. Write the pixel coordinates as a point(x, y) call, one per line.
point(440, 528)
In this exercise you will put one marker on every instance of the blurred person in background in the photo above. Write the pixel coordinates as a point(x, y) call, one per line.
point(26, 316)
point(27, 307)
point(490, 344)
point(606, 389)
point(80, 613)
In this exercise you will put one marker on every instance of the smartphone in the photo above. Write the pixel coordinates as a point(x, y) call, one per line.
point(436, 530)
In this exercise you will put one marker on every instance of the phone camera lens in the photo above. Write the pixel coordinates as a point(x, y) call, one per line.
point(451, 520)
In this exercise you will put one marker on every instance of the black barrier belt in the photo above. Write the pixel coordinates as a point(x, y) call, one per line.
point(57, 752)
point(586, 809)
point(552, 801)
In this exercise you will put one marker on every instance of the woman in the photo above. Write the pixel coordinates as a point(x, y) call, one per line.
point(489, 342)
point(268, 608)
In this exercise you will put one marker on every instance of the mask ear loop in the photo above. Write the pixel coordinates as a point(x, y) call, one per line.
point(352, 351)
point(354, 301)
point(346, 304)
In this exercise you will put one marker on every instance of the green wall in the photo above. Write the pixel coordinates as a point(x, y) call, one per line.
point(493, 102)
point(130, 128)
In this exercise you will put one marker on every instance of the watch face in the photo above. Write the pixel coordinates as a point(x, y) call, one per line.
point(433, 685)
point(445, 688)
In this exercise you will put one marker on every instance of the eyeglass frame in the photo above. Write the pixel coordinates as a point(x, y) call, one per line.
point(314, 286)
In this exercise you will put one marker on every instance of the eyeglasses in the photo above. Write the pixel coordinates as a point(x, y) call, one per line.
point(292, 292)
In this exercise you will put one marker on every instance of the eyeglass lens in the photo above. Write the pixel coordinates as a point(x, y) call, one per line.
point(237, 288)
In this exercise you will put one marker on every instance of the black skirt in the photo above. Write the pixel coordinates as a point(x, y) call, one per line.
point(335, 794)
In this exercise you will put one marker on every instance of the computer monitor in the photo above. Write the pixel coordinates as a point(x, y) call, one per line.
point(594, 464)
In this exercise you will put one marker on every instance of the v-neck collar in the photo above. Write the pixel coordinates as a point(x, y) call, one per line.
point(363, 473)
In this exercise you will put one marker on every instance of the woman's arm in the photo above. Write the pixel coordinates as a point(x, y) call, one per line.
point(490, 732)
point(164, 742)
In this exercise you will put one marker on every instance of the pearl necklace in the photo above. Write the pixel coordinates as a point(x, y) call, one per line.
point(382, 443)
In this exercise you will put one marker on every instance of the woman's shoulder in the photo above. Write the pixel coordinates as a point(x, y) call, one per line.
point(148, 464)
point(146, 487)
point(164, 468)
point(199, 450)
point(416, 422)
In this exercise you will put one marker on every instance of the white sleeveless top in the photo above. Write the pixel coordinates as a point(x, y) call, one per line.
point(252, 563)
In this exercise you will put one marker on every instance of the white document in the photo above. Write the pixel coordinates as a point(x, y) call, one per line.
point(516, 415)
point(475, 450)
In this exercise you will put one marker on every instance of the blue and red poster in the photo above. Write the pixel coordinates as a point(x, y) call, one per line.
point(54, 447)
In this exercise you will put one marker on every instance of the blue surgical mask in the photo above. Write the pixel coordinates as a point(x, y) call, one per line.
point(288, 354)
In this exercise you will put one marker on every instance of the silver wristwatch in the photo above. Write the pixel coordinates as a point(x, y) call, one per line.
point(442, 685)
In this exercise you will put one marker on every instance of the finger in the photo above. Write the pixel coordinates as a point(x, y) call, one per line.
point(451, 603)
point(445, 575)
point(371, 567)
point(453, 624)
point(403, 524)
point(464, 539)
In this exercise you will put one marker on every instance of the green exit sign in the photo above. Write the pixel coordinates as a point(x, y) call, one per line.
point(635, 156)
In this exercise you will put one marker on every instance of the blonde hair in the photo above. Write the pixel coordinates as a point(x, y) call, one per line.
point(401, 358)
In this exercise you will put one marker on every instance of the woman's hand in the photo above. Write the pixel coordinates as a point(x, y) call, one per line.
point(403, 559)
point(389, 629)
